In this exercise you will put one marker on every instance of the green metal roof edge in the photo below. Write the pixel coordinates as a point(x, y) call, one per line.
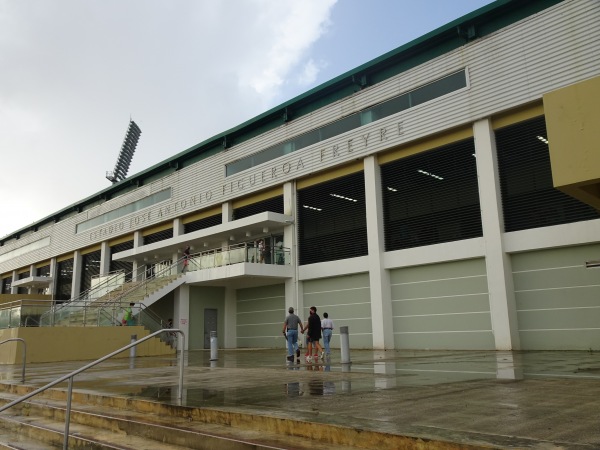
point(167, 163)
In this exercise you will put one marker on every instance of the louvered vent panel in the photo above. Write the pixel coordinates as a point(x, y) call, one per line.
point(529, 199)
point(158, 236)
point(332, 221)
point(90, 267)
point(6, 285)
point(64, 279)
point(274, 204)
point(431, 197)
point(43, 271)
point(201, 224)
point(125, 266)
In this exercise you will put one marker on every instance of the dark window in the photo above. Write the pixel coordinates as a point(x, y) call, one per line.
point(125, 266)
point(529, 199)
point(6, 285)
point(22, 276)
point(431, 197)
point(43, 271)
point(332, 221)
point(274, 204)
point(90, 267)
point(201, 224)
point(158, 236)
point(64, 279)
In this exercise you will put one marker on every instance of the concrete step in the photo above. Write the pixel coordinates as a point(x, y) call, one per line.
point(12, 440)
point(101, 421)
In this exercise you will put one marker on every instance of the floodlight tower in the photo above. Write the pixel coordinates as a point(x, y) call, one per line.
point(132, 137)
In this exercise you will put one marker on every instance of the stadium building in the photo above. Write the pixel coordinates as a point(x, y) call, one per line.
point(445, 195)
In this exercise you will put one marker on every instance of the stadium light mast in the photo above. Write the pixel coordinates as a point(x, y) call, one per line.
point(132, 137)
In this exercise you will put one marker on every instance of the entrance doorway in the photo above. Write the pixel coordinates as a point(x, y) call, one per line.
point(210, 324)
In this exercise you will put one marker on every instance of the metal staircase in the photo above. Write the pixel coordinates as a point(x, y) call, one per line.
point(104, 305)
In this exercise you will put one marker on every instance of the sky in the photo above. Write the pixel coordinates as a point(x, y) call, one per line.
point(73, 73)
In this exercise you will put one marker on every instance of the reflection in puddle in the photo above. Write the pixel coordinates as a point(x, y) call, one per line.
point(313, 387)
point(292, 389)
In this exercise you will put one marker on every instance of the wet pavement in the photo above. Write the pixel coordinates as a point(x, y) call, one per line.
point(492, 399)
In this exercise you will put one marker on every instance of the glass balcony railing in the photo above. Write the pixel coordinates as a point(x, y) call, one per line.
point(247, 252)
point(23, 313)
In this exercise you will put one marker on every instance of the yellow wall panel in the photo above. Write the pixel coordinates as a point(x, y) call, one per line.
point(429, 143)
point(202, 214)
point(157, 228)
point(330, 175)
point(264, 195)
point(521, 114)
point(573, 123)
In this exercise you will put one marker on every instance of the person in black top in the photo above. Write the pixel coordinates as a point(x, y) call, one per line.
point(314, 333)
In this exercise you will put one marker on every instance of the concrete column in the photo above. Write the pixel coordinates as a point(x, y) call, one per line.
point(177, 227)
point(379, 279)
point(32, 273)
point(227, 212)
point(177, 231)
point(499, 272)
point(138, 240)
point(15, 277)
point(293, 286)
point(76, 280)
point(181, 313)
point(54, 275)
point(105, 258)
point(229, 334)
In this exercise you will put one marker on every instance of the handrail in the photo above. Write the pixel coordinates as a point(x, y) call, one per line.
point(119, 293)
point(24, 354)
point(71, 375)
point(144, 283)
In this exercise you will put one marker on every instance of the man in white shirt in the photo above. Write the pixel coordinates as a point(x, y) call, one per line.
point(327, 327)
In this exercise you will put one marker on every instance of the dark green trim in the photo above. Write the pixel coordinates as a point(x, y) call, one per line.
point(479, 23)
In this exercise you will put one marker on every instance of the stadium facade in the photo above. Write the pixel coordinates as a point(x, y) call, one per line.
point(441, 196)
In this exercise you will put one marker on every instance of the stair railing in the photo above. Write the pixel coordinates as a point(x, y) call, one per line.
point(143, 286)
point(69, 377)
point(82, 299)
point(113, 297)
point(144, 317)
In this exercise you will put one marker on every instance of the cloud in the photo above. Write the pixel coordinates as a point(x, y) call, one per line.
point(308, 74)
point(291, 27)
point(74, 72)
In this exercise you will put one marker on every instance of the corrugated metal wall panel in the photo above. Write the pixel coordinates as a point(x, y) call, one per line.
point(506, 69)
point(347, 301)
point(442, 306)
point(557, 299)
point(260, 314)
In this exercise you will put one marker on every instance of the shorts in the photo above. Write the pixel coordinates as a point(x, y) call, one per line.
point(309, 339)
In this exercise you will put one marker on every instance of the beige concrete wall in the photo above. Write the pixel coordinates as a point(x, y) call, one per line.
point(7, 298)
point(50, 344)
point(572, 117)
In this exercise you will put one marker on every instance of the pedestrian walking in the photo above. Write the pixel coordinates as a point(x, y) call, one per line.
point(327, 327)
point(128, 316)
point(290, 331)
point(314, 335)
point(186, 258)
